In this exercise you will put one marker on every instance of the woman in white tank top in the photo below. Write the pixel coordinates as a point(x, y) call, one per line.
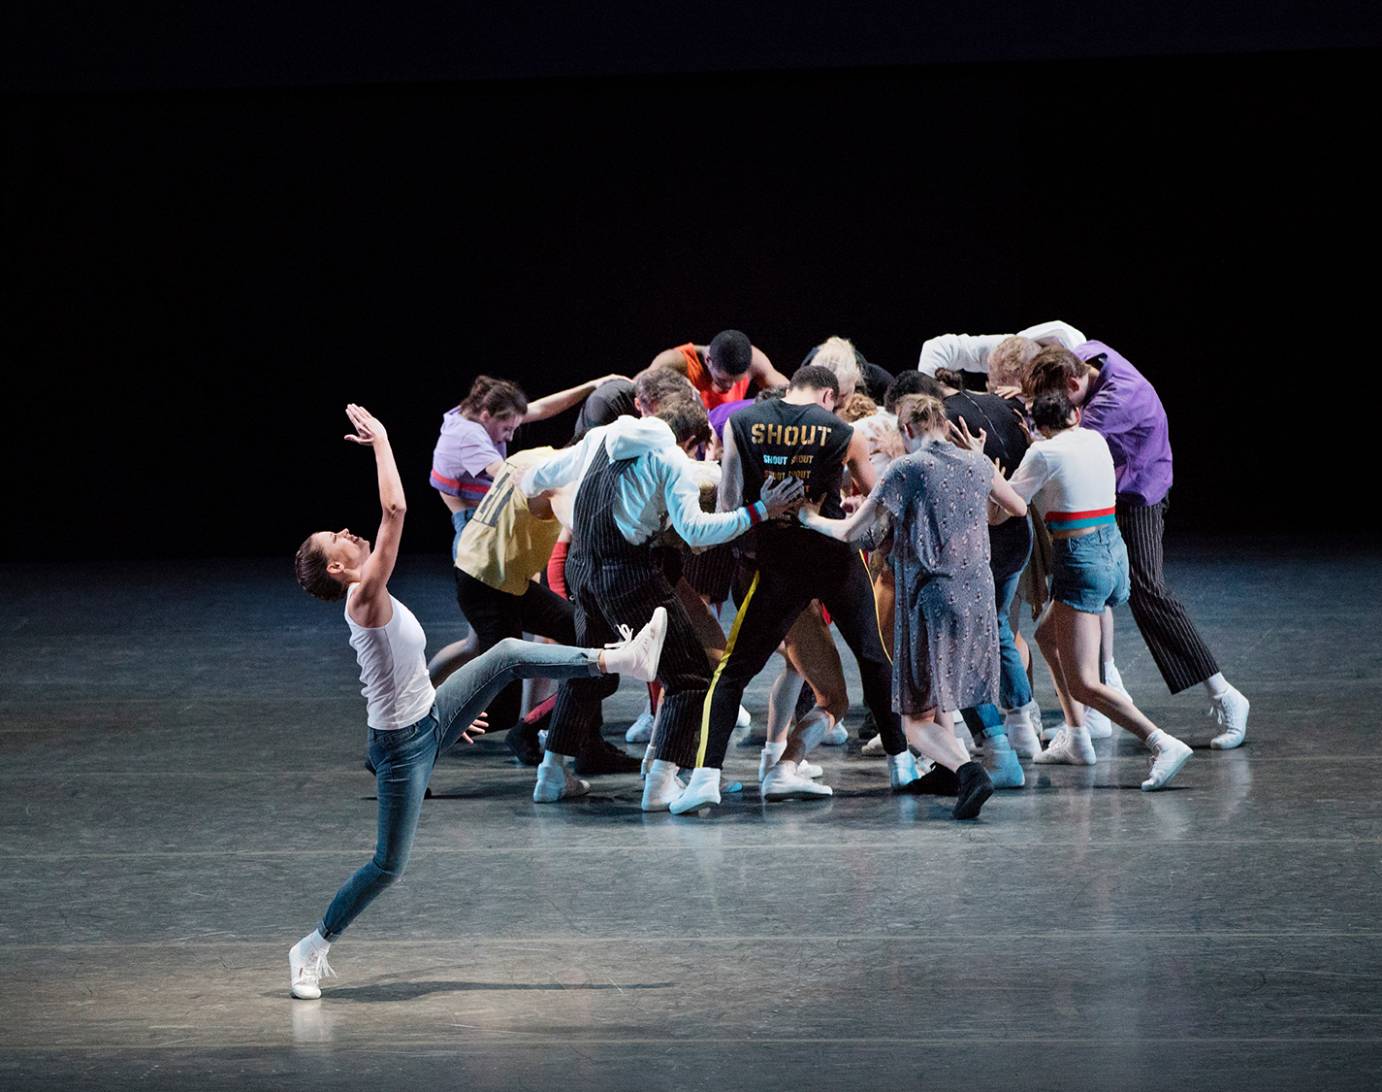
point(1069, 476)
point(410, 724)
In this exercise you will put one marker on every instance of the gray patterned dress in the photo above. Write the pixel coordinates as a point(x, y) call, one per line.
point(945, 651)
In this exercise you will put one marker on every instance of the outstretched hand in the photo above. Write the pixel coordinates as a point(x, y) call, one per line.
point(962, 437)
point(477, 727)
point(782, 495)
point(368, 428)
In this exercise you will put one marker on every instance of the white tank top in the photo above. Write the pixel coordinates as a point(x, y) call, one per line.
point(393, 667)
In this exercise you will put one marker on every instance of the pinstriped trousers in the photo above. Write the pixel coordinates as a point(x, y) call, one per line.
point(1176, 646)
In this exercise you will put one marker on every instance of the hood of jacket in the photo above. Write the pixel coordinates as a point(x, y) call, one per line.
point(630, 437)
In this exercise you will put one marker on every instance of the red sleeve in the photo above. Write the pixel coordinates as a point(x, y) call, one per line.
point(556, 569)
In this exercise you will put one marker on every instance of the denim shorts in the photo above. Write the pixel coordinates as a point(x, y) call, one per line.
point(1091, 572)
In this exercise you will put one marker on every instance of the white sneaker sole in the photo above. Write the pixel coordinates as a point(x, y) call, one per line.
point(1181, 760)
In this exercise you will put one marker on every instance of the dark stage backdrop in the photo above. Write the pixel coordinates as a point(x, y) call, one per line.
point(201, 279)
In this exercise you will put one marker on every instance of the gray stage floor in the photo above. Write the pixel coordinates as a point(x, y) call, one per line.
point(182, 793)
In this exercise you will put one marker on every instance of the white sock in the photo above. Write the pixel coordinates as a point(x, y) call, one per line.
point(1156, 739)
point(1111, 676)
point(553, 761)
point(316, 940)
point(1216, 685)
point(774, 752)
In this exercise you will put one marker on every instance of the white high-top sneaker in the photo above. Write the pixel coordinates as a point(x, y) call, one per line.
point(1071, 747)
point(307, 966)
point(1231, 710)
point(1170, 755)
point(637, 655)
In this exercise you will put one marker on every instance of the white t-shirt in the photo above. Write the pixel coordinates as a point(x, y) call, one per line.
point(393, 667)
point(1070, 480)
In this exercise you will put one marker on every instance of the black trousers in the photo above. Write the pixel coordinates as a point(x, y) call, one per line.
point(627, 592)
point(1175, 644)
point(495, 614)
point(777, 592)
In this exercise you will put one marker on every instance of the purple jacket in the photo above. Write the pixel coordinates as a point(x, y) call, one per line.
point(1124, 409)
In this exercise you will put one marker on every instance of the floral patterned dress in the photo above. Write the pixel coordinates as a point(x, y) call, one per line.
point(945, 651)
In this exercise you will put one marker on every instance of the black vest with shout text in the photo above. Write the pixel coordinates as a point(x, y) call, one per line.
point(775, 440)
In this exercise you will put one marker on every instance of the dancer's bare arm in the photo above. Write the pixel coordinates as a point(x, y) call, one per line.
point(731, 474)
point(762, 372)
point(552, 404)
point(371, 606)
point(1005, 497)
point(861, 469)
point(849, 529)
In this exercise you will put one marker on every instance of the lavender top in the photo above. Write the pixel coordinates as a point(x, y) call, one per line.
point(1124, 409)
point(463, 451)
point(721, 413)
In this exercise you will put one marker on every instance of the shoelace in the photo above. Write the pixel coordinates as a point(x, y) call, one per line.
point(625, 634)
point(317, 967)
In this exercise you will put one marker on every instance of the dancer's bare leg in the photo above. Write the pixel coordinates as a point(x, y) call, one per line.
point(452, 658)
point(1080, 636)
point(934, 742)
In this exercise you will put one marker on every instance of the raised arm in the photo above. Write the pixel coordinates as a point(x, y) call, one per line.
point(670, 358)
point(552, 404)
point(370, 606)
point(762, 372)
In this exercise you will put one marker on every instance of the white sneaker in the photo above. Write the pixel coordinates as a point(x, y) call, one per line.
point(1230, 710)
point(811, 729)
point(810, 769)
point(783, 782)
point(874, 746)
point(555, 784)
point(661, 786)
point(641, 730)
point(744, 719)
point(902, 770)
point(637, 655)
point(701, 791)
point(1096, 724)
point(1001, 761)
point(836, 737)
point(307, 966)
point(1021, 734)
point(1071, 747)
point(1171, 755)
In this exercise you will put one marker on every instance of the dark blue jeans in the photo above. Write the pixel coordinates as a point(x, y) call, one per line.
point(403, 759)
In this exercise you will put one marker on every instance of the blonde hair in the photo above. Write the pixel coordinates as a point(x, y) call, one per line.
point(1009, 361)
point(920, 413)
point(856, 407)
point(837, 354)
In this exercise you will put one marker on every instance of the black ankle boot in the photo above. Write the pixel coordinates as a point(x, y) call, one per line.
point(975, 788)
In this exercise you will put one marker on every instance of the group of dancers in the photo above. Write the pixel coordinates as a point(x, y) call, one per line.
point(897, 509)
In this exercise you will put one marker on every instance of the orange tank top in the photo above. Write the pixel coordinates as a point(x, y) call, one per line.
point(699, 374)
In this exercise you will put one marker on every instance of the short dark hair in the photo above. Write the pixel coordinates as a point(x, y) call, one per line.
point(687, 419)
point(910, 382)
point(309, 566)
point(731, 352)
point(500, 397)
point(1052, 410)
point(1051, 369)
point(653, 386)
point(817, 377)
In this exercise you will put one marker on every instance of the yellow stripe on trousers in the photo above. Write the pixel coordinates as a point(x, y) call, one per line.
point(715, 678)
point(877, 618)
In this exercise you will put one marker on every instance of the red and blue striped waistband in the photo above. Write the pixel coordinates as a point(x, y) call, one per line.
point(1078, 521)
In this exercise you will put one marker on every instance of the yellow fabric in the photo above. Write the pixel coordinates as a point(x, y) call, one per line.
point(504, 545)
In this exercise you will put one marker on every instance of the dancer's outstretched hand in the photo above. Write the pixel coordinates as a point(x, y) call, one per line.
point(782, 495)
point(962, 437)
point(368, 428)
point(478, 727)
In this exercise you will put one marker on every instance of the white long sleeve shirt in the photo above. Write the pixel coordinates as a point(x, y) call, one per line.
point(970, 352)
point(660, 486)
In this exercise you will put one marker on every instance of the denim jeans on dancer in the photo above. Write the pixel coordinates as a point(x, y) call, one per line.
point(1007, 564)
point(403, 759)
